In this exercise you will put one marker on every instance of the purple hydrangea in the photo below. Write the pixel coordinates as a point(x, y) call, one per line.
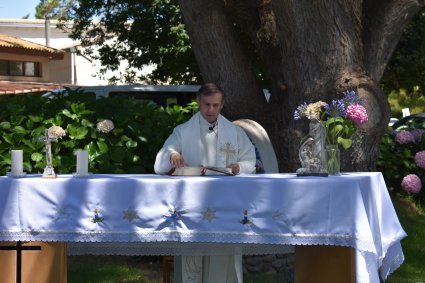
point(404, 137)
point(420, 159)
point(357, 113)
point(417, 134)
point(411, 183)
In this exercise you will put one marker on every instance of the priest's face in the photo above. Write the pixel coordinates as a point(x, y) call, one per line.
point(210, 106)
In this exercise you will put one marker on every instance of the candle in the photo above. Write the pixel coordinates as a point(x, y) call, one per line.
point(17, 162)
point(82, 162)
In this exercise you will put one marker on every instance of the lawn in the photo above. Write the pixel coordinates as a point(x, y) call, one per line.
point(412, 218)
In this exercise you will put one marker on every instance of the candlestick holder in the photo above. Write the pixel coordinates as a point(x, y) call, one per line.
point(49, 171)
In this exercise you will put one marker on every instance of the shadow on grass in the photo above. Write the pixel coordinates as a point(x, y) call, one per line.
point(114, 269)
point(412, 220)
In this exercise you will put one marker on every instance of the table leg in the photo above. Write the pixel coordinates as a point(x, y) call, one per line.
point(324, 264)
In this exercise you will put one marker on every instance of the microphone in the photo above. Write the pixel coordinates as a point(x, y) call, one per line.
point(211, 128)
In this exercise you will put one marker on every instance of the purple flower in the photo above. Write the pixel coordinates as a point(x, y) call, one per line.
point(404, 137)
point(299, 113)
point(350, 97)
point(411, 183)
point(336, 109)
point(357, 113)
point(420, 159)
point(417, 134)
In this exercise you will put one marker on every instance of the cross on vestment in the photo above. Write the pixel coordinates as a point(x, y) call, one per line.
point(229, 150)
point(47, 139)
point(19, 248)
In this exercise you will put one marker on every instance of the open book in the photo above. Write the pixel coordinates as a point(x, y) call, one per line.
point(201, 171)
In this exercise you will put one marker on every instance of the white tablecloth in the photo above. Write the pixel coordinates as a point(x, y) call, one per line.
point(249, 214)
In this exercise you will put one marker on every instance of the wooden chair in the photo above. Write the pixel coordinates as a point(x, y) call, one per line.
point(266, 156)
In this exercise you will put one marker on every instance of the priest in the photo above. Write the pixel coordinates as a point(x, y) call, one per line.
point(209, 139)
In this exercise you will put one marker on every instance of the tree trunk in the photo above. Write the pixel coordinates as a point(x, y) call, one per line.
point(312, 50)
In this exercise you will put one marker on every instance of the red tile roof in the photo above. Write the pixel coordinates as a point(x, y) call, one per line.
point(9, 87)
point(14, 45)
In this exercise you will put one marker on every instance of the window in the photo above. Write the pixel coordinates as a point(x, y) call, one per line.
point(20, 68)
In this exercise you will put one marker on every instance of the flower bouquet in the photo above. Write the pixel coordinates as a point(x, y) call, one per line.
point(341, 119)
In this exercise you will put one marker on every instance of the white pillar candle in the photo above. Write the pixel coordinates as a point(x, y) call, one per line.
point(17, 162)
point(82, 162)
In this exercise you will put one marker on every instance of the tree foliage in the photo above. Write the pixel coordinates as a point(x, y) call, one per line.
point(52, 9)
point(140, 32)
point(406, 70)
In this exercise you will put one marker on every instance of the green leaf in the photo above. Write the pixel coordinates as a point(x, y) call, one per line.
point(5, 125)
point(346, 143)
point(77, 133)
point(103, 147)
point(19, 130)
point(131, 144)
point(68, 114)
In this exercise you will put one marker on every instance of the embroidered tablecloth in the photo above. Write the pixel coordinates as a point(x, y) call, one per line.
point(248, 214)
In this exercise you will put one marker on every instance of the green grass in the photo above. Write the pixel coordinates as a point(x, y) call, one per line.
point(412, 219)
point(114, 269)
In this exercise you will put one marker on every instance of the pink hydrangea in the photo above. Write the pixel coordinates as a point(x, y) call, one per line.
point(420, 159)
point(357, 113)
point(411, 183)
point(417, 134)
point(404, 137)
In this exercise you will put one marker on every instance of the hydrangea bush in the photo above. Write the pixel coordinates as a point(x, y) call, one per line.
point(402, 162)
point(121, 135)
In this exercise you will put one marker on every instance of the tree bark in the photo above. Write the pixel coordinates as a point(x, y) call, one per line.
point(313, 50)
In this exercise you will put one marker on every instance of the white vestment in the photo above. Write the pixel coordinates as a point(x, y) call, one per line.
point(224, 145)
point(201, 143)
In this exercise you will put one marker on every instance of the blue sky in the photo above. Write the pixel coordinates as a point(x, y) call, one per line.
point(16, 9)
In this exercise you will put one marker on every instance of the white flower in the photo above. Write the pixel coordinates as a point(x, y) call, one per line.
point(105, 126)
point(56, 132)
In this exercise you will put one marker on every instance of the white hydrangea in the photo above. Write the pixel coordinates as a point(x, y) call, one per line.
point(105, 126)
point(56, 132)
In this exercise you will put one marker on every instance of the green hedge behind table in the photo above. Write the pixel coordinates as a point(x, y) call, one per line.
point(140, 130)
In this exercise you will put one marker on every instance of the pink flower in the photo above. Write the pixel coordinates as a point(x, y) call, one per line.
point(357, 114)
point(411, 183)
point(420, 159)
point(404, 137)
point(417, 134)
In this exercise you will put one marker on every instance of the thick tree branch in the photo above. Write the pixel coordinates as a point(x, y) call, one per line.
point(383, 25)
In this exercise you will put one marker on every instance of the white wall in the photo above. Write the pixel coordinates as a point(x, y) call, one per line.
point(60, 70)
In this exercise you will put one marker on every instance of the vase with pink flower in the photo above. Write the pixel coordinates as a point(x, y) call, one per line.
point(341, 118)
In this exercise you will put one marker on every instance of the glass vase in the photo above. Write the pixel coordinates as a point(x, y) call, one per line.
point(333, 159)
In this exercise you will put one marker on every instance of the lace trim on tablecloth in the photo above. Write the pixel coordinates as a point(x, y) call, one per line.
point(189, 237)
point(175, 236)
point(169, 248)
point(393, 259)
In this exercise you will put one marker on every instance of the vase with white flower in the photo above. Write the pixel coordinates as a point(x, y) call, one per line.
point(341, 119)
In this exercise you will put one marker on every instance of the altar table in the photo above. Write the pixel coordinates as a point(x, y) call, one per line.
point(207, 215)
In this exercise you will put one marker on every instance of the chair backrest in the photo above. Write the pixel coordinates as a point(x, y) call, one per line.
point(263, 147)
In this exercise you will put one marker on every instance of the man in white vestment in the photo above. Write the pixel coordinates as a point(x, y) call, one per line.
point(209, 139)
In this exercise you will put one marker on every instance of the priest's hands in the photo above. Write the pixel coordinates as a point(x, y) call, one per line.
point(176, 160)
point(235, 168)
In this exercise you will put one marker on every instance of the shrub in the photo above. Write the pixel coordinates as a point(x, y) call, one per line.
point(402, 162)
point(140, 130)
